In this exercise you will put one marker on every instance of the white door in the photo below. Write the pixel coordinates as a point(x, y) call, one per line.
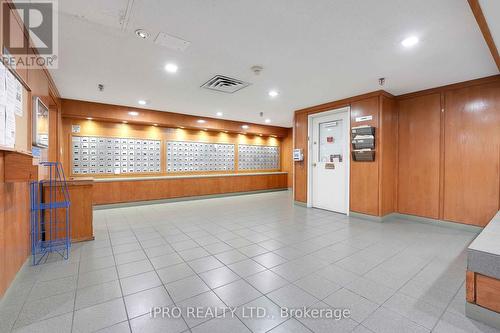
point(330, 161)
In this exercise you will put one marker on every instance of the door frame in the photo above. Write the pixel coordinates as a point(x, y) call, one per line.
point(310, 155)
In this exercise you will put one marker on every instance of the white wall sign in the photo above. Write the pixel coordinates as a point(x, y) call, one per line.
point(75, 128)
point(365, 118)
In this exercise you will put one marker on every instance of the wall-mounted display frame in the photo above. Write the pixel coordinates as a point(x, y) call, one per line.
point(193, 156)
point(102, 155)
point(40, 131)
point(258, 157)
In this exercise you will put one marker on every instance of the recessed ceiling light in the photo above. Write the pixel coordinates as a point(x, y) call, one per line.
point(155, 124)
point(141, 33)
point(133, 113)
point(181, 127)
point(205, 129)
point(225, 131)
point(171, 68)
point(245, 126)
point(142, 102)
point(89, 118)
point(219, 114)
point(260, 134)
point(124, 121)
point(410, 41)
point(201, 121)
point(267, 121)
point(273, 93)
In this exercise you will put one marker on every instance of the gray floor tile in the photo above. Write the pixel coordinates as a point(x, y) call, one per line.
point(371, 290)
point(317, 285)
point(46, 308)
point(122, 327)
point(266, 281)
point(59, 324)
point(455, 323)
point(291, 326)
point(175, 272)
point(219, 277)
point(359, 306)
point(231, 257)
point(156, 251)
point(186, 288)
point(208, 303)
point(219, 247)
point(42, 289)
point(99, 316)
point(325, 324)
point(252, 250)
point(205, 264)
point(139, 282)
point(134, 268)
point(194, 253)
point(95, 264)
point(269, 259)
point(128, 257)
point(292, 296)
point(246, 267)
point(421, 312)
point(97, 277)
point(146, 324)
point(237, 293)
point(99, 293)
point(166, 260)
point(222, 325)
point(387, 321)
point(271, 316)
point(142, 302)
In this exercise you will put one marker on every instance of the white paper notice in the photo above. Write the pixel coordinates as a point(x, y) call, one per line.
point(10, 82)
point(18, 102)
point(3, 96)
point(2, 125)
point(10, 127)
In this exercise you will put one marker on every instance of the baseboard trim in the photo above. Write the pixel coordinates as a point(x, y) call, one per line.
point(476, 312)
point(199, 197)
point(373, 218)
point(439, 223)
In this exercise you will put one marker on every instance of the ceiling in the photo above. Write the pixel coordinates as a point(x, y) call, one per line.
point(311, 51)
point(491, 11)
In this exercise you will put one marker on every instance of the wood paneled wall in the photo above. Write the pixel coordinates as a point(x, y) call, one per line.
point(419, 155)
point(111, 129)
point(373, 185)
point(144, 190)
point(14, 193)
point(449, 152)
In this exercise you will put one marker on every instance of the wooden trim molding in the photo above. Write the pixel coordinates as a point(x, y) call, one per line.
point(485, 30)
point(118, 113)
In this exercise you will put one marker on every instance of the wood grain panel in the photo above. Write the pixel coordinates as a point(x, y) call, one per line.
point(143, 190)
point(488, 292)
point(118, 113)
point(470, 287)
point(80, 212)
point(472, 153)
point(286, 156)
point(388, 137)
point(419, 155)
point(364, 177)
point(301, 142)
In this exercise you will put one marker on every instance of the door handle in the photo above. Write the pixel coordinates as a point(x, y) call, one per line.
point(314, 164)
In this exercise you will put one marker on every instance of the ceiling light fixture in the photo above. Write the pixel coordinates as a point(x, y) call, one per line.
point(155, 124)
point(410, 41)
point(267, 121)
point(245, 126)
point(171, 68)
point(133, 113)
point(273, 93)
point(124, 121)
point(201, 121)
point(142, 102)
point(89, 118)
point(141, 33)
point(219, 114)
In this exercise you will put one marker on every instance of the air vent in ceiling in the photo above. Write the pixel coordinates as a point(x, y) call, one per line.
point(225, 84)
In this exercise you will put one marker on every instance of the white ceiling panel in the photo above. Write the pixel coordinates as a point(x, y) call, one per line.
point(312, 52)
point(491, 11)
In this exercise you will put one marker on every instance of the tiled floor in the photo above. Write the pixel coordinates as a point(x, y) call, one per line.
point(247, 251)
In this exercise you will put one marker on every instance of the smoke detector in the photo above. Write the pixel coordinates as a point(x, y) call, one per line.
point(256, 69)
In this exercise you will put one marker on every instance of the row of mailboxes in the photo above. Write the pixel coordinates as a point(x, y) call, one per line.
point(363, 143)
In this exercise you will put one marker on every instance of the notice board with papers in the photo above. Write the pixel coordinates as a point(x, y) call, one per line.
point(14, 116)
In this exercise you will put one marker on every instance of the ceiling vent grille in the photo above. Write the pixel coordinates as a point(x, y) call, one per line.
point(225, 84)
